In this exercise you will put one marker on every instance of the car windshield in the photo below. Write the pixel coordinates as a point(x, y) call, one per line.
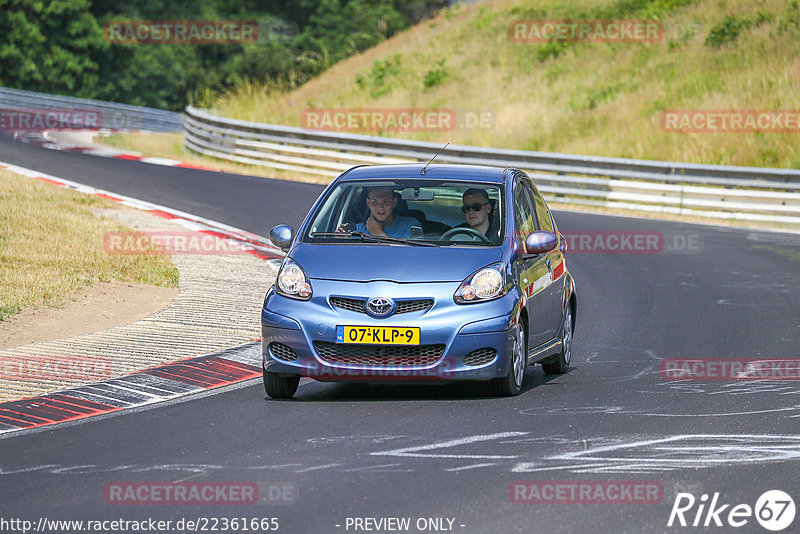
point(422, 213)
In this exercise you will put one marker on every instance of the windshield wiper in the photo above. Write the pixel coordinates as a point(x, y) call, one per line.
point(374, 238)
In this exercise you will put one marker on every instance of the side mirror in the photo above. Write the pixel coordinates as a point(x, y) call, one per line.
point(562, 243)
point(281, 236)
point(540, 241)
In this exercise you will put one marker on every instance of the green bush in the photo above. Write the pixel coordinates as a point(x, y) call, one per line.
point(791, 19)
point(551, 49)
point(436, 75)
point(725, 31)
point(377, 81)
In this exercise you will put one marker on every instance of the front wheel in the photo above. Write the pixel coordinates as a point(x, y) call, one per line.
point(280, 387)
point(560, 365)
point(511, 384)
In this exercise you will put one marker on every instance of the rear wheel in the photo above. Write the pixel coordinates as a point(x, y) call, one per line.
point(280, 387)
point(511, 384)
point(560, 365)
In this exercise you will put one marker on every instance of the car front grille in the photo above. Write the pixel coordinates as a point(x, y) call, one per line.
point(480, 357)
point(407, 306)
point(282, 352)
point(379, 355)
point(403, 306)
point(356, 305)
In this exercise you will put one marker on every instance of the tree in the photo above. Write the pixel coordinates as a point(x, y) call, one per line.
point(341, 28)
point(49, 46)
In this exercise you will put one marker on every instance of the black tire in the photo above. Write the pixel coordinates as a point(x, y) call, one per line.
point(511, 384)
point(280, 387)
point(560, 364)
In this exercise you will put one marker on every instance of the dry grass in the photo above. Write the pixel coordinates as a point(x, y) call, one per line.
point(51, 245)
point(599, 99)
point(161, 144)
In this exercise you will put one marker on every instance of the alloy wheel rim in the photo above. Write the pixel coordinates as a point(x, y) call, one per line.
point(519, 360)
point(567, 338)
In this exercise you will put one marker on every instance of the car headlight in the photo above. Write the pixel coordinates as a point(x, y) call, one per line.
point(488, 283)
point(292, 281)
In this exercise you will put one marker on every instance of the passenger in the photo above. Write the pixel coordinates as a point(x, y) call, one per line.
point(382, 221)
point(478, 211)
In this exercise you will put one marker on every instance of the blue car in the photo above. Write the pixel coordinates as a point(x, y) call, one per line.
point(411, 273)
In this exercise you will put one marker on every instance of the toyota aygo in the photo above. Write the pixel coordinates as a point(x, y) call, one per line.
point(412, 273)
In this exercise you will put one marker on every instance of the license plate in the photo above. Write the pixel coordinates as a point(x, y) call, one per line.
point(378, 335)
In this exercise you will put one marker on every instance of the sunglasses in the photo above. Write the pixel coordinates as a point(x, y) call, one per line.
point(474, 207)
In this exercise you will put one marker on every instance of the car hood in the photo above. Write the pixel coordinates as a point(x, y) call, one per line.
point(366, 263)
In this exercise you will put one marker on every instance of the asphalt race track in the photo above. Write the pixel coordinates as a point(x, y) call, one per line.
point(342, 451)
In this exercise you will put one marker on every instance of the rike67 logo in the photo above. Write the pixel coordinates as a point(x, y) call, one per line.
point(774, 510)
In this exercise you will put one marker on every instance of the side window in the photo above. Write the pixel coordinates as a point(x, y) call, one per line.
point(542, 213)
point(523, 210)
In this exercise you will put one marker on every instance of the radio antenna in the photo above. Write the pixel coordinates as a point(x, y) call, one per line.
point(422, 171)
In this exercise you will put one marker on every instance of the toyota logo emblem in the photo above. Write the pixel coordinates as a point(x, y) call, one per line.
point(380, 306)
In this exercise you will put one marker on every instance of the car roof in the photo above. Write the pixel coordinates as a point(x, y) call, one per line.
point(441, 171)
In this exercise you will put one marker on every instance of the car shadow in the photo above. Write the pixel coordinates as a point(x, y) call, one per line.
point(387, 392)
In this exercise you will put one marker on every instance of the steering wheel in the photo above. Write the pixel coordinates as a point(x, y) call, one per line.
point(466, 231)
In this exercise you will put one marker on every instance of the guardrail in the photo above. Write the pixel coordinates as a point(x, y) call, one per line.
point(113, 116)
point(716, 191)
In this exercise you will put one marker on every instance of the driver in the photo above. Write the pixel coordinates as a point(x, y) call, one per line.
point(382, 220)
point(477, 210)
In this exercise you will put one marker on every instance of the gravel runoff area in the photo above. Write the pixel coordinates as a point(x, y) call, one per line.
point(218, 306)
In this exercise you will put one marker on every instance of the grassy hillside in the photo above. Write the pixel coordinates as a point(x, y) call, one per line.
point(586, 98)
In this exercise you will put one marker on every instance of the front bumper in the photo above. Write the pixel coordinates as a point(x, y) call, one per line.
point(457, 342)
